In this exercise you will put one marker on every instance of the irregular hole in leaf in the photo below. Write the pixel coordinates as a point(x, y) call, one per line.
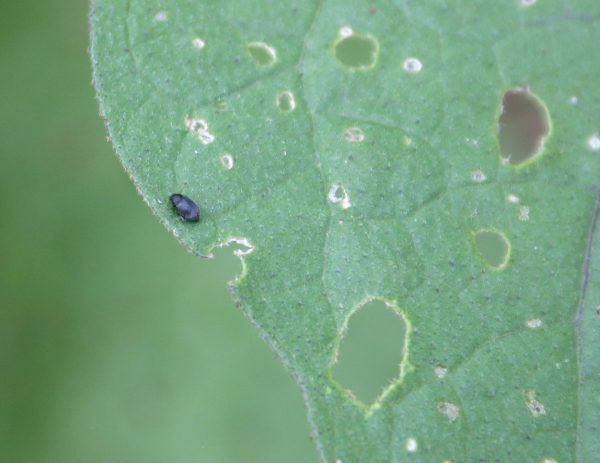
point(493, 247)
point(371, 351)
point(261, 53)
point(228, 264)
point(523, 126)
point(357, 52)
point(235, 249)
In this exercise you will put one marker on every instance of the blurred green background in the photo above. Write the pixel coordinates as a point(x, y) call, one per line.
point(115, 344)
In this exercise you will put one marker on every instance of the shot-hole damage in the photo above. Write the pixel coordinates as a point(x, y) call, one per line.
point(440, 371)
point(199, 127)
point(478, 176)
point(227, 161)
point(412, 65)
point(285, 101)
point(523, 213)
point(492, 246)
point(338, 195)
point(449, 410)
point(535, 407)
point(354, 135)
point(357, 52)
point(523, 127)
point(373, 352)
point(261, 53)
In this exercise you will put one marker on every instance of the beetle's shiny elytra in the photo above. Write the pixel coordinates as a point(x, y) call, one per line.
point(185, 207)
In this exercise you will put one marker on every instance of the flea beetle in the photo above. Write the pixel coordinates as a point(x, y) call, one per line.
point(185, 207)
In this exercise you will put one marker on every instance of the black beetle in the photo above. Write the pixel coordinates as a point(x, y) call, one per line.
point(185, 207)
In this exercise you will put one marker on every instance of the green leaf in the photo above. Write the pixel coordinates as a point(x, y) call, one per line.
point(361, 151)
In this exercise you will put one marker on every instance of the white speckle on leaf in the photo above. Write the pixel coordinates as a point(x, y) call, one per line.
point(440, 371)
point(594, 142)
point(199, 127)
point(412, 65)
point(227, 161)
point(411, 444)
point(534, 323)
point(524, 213)
point(198, 43)
point(478, 176)
point(354, 135)
point(513, 199)
point(161, 16)
point(527, 3)
point(407, 140)
point(449, 410)
point(338, 195)
point(573, 100)
point(549, 460)
point(472, 141)
point(345, 32)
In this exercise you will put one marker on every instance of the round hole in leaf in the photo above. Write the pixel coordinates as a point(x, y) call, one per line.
point(493, 247)
point(357, 52)
point(285, 101)
point(261, 53)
